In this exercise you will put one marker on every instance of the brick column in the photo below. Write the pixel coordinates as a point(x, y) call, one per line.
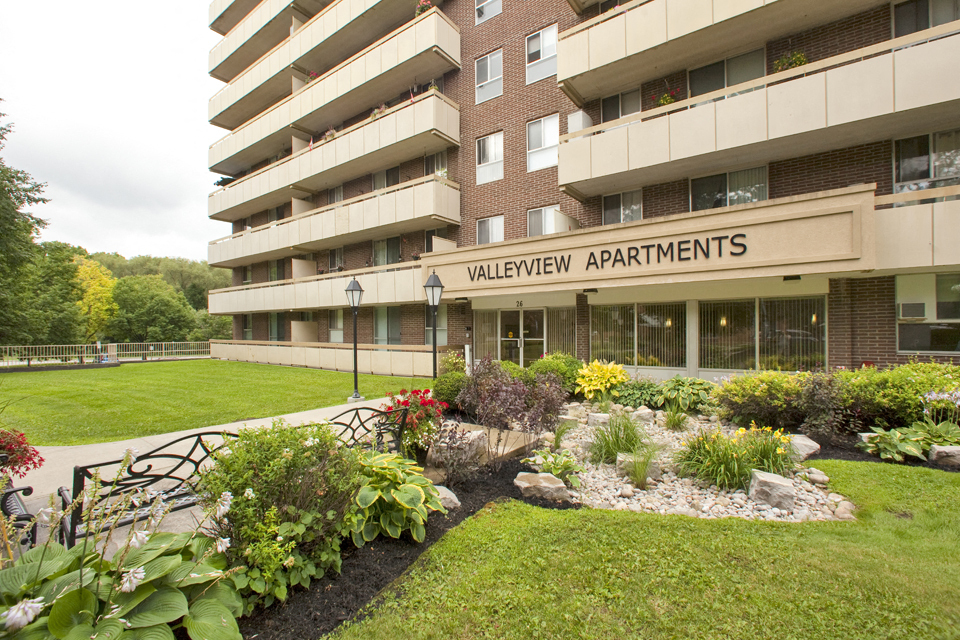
point(583, 327)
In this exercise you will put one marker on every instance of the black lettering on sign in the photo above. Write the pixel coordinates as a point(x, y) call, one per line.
point(681, 249)
point(719, 240)
point(699, 247)
point(618, 257)
point(563, 263)
point(473, 274)
point(632, 253)
point(741, 245)
point(592, 260)
point(661, 252)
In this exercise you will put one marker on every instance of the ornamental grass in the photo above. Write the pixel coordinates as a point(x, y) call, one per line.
point(727, 461)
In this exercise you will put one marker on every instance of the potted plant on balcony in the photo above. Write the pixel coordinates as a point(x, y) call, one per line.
point(330, 134)
point(378, 111)
point(790, 60)
point(667, 98)
point(422, 7)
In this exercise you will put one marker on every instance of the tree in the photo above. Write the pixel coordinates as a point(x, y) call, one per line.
point(51, 294)
point(96, 303)
point(211, 327)
point(150, 310)
point(193, 278)
point(18, 230)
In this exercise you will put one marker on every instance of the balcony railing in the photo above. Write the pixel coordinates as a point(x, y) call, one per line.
point(426, 47)
point(426, 124)
point(921, 231)
point(909, 82)
point(226, 14)
point(336, 33)
point(389, 284)
point(642, 39)
point(424, 203)
point(376, 359)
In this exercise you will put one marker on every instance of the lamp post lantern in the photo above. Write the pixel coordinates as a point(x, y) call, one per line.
point(354, 293)
point(434, 289)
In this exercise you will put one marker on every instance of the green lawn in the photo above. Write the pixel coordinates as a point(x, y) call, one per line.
point(515, 571)
point(101, 405)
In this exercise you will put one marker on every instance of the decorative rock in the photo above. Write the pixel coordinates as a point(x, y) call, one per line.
point(620, 506)
point(654, 472)
point(476, 446)
point(448, 499)
point(595, 419)
point(945, 456)
point(626, 492)
point(803, 447)
point(845, 511)
point(817, 478)
point(542, 485)
point(644, 415)
point(548, 438)
point(775, 490)
point(865, 437)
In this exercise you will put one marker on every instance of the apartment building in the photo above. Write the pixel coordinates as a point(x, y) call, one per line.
point(683, 186)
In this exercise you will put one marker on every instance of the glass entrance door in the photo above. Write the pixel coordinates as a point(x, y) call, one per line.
point(510, 336)
point(533, 344)
point(522, 335)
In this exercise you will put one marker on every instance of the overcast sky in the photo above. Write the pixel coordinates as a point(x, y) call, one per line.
point(109, 104)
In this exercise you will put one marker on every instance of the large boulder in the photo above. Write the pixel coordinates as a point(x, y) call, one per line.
point(775, 490)
point(448, 499)
point(597, 419)
point(542, 485)
point(476, 446)
point(945, 456)
point(803, 447)
point(644, 415)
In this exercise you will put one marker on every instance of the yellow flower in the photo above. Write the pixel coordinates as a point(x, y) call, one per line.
point(779, 450)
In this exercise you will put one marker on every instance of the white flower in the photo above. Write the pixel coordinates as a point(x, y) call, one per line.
point(223, 544)
point(131, 580)
point(279, 538)
point(139, 539)
point(248, 494)
point(45, 515)
point(22, 613)
point(223, 504)
point(289, 562)
point(131, 455)
point(310, 442)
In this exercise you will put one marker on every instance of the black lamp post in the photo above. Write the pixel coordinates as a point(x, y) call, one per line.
point(354, 293)
point(434, 289)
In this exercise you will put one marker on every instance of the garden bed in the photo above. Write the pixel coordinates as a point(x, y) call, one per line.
point(313, 612)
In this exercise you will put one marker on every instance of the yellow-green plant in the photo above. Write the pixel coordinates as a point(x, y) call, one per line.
point(601, 378)
point(727, 461)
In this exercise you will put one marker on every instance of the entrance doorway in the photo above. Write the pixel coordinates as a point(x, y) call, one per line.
point(522, 335)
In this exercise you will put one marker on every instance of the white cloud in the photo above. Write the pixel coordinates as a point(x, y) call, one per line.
point(109, 103)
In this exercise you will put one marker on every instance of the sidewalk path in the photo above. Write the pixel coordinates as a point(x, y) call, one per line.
point(57, 469)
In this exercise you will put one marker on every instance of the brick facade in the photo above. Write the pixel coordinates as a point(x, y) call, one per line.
point(862, 164)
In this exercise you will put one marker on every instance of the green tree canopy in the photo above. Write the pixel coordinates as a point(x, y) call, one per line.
point(52, 291)
point(191, 277)
point(96, 303)
point(150, 310)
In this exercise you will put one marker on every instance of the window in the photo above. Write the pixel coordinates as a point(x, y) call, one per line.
point(490, 230)
point(386, 251)
point(543, 138)
point(620, 105)
point(942, 293)
point(306, 316)
point(948, 296)
point(917, 167)
point(611, 333)
point(917, 15)
point(247, 275)
point(562, 330)
point(727, 73)
point(606, 5)
point(275, 268)
point(728, 189)
point(662, 335)
point(542, 54)
point(435, 164)
point(278, 327)
point(335, 259)
point(623, 207)
point(487, 9)
point(489, 76)
point(247, 325)
point(728, 334)
point(274, 214)
point(441, 326)
point(386, 325)
point(490, 158)
point(386, 178)
point(430, 234)
point(335, 194)
point(543, 221)
point(335, 325)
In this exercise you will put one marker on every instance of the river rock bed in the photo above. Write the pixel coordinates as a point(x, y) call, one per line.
point(603, 488)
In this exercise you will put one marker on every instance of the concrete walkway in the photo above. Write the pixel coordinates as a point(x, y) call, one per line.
point(57, 469)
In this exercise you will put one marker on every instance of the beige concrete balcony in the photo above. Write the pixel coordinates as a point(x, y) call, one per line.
point(901, 87)
point(422, 49)
point(919, 232)
point(377, 359)
point(335, 34)
point(427, 124)
point(226, 14)
point(417, 205)
point(399, 283)
point(646, 39)
point(257, 33)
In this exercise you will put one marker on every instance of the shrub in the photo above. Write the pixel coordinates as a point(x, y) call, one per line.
point(20, 456)
point(448, 386)
point(621, 435)
point(561, 464)
point(517, 372)
point(452, 362)
point(424, 417)
point(762, 397)
point(452, 454)
point(641, 392)
point(395, 498)
point(492, 395)
point(819, 405)
point(893, 397)
point(291, 485)
point(545, 398)
point(601, 378)
point(685, 394)
point(727, 461)
point(563, 365)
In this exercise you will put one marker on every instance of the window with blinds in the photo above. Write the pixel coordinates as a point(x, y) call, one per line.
point(728, 334)
point(662, 335)
point(611, 333)
point(485, 334)
point(562, 330)
point(792, 334)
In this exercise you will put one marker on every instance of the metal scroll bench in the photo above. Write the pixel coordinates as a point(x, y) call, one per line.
point(172, 469)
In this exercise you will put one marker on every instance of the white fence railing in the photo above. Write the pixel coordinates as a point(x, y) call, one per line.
point(94, 353)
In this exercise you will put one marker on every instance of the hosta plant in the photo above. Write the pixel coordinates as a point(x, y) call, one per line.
point(684, 394)
point(601, 379)
point(395, 498)
point(894, 444)
point(561, 464)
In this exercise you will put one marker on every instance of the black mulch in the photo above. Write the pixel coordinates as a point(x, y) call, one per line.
point(310, 613)
point(846, 449)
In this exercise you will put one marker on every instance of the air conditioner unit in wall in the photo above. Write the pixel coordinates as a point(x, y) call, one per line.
point(915, 311)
